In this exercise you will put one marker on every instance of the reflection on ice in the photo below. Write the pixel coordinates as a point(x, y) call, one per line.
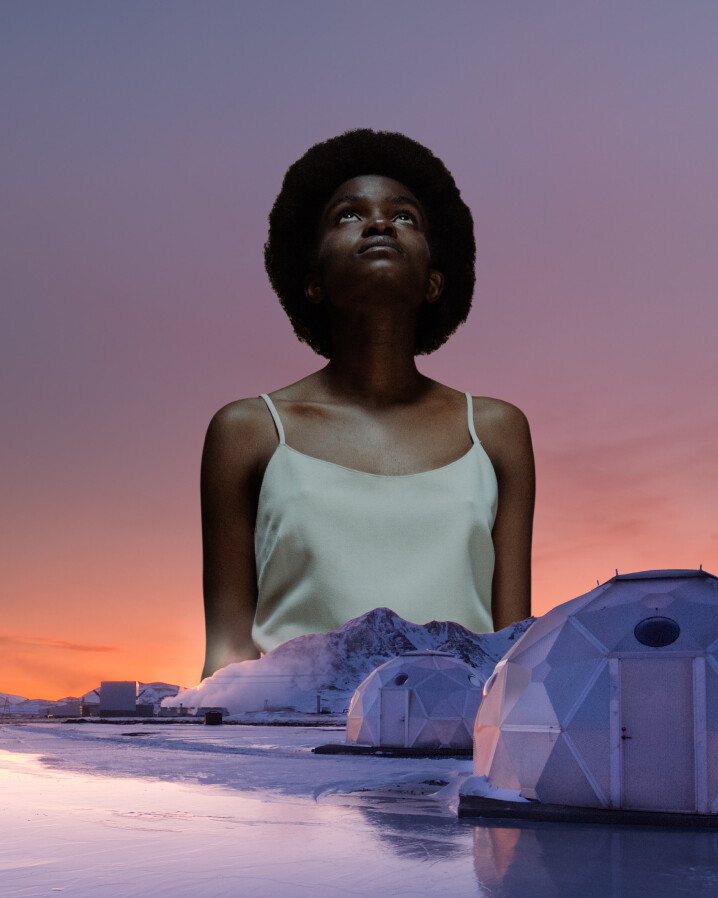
point(91, 811)
point(593, 860)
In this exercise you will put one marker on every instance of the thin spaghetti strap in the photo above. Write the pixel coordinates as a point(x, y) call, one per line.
point(275, 415)
point(470, 410)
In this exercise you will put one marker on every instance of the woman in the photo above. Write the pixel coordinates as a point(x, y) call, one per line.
point(365, 484)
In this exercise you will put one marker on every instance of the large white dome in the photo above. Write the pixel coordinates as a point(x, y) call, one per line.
point(611, 699)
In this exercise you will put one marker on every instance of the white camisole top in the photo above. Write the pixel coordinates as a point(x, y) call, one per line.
point(332, 543)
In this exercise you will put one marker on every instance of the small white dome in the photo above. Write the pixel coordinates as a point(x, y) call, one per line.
point(419, 699)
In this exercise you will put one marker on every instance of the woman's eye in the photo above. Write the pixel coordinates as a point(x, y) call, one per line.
point(404, 216)
point(346, 215)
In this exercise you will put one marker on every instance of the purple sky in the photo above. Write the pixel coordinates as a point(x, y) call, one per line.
point(143, 145)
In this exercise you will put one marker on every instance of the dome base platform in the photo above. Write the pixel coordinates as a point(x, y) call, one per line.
point(474, 806)
point(398, 751)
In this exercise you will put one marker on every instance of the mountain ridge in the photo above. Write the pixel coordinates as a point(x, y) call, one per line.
point(326, 668)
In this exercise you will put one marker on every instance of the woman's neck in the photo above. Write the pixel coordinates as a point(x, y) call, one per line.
point(374, 374)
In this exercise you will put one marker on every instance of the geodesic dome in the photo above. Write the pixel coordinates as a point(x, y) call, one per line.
point(420, 699)
point(611, 699)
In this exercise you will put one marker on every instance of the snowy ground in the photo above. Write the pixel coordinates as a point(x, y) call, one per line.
point(134, 811)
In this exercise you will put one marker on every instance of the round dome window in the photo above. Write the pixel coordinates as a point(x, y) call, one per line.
point(401, 679)
point(657, 631)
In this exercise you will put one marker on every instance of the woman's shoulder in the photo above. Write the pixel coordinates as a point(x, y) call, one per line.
point(503, 430)
point(497, 413)
point(241, 432)
point(245, 417)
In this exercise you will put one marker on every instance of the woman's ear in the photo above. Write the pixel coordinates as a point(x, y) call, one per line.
point(435, 286)
point(312, 289)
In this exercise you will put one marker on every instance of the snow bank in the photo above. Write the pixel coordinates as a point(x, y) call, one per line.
point(479, 785)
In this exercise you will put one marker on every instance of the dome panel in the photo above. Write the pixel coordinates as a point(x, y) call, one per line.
point(563, 781)
point(698, 621)
point(353, 727)
point(593, 712)
point(454, 705)
point(540, 671)
point(485, 739)
point(565, 684)
point(658, 601)
point(513, 678)
point(417, 708)
point(368, 731)
point(589, 729)
point(611, 624)
point(633, 587)
point(458, 735)
point(464, 679)
point(697, 591)
point(572, 646)
point(464, 734)
point(537, 651)
point(491, 707)
point(533, 707)
point(443, 734)
point(529, 753)
point(503, 772)
point(541, 627)
point(440, 701)
point(594, 748)
point(472, 700)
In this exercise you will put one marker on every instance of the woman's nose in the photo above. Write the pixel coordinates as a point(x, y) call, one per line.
point(378, 225)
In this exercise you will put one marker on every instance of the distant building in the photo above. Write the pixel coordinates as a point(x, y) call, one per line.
point(118, 698)
point(89, 709)
point(70, 708)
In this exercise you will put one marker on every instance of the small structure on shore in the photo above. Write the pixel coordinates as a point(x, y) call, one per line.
point(611, 700)
point(118, 698)
point(421, 699)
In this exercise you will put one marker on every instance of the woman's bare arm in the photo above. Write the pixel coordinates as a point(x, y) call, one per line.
point(237, 444)
point(508, 442)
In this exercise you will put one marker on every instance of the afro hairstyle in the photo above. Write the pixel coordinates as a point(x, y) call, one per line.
point(307, 186)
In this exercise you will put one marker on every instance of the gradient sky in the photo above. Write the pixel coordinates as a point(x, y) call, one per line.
point(143, 144)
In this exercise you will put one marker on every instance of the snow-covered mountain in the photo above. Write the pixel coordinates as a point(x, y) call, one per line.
point(153, 693)
point(26, 707)
point(7, 698)
point(332, 665)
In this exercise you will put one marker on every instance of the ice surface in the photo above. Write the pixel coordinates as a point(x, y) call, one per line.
point(130, 811)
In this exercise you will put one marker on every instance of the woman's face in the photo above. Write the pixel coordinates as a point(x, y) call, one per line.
point(373, 231)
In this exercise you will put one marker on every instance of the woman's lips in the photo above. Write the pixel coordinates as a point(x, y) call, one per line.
point(380, 243)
